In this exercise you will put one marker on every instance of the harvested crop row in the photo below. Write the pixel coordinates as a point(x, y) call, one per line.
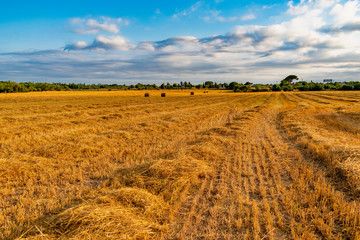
point(217, 166)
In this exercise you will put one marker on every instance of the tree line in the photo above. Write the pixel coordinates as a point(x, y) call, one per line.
point(287, 84)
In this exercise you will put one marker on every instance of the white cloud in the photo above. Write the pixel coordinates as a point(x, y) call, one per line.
point(248, 17)
point(349, 12)
point(112, 42)
point(94, 26)
point(80, 44)
point(308, 5)
point(325, 3)
point(189, 10)
point(146, 45)
point(216, 15)
point(297, 9)
point(102, 43)
point(227, 19)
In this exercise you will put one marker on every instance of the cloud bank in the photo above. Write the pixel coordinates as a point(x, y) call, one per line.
point(317, 39)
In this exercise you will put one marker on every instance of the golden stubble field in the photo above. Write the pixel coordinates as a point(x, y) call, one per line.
point(217, 165)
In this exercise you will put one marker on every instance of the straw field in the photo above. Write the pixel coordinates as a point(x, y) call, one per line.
point(216, 165)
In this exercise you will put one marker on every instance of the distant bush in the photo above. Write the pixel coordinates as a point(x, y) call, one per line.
point(287, 88)
point(347, 87)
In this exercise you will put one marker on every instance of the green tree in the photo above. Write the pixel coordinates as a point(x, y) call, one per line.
point(208, 84)
point(288, 80)
point(168, 86)
point(287, 87)
point(245, 88)
point(276, 87)
point(232, 85)
point(347, 87)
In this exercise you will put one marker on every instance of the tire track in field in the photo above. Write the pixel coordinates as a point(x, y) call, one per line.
point(263, 188)
point(337, 99)
point(175, 134)
point(212, 212)
point(328, 139)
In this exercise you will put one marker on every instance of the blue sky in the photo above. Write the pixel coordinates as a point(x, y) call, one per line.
point(172, 41)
